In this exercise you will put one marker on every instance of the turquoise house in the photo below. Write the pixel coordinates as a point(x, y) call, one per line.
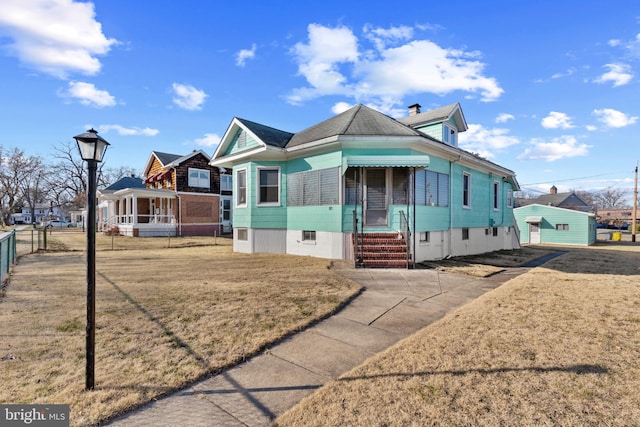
point(363, 186)
point(543, 224)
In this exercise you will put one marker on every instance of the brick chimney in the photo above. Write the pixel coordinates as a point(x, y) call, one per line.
point(553, 190)
point(414, 109)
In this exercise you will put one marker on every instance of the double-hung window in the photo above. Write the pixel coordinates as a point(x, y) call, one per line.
point(466, 190)
point(199, 178)
point(269, 186)
point(226, 183)
point(241, 189)
point(449, 135)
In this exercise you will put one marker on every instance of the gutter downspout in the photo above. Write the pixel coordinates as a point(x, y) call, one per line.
point(451, 204)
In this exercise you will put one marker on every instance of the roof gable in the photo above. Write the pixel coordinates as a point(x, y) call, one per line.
point(167, 160)
point(268, 135)
point(358, 120)
point(448, 113)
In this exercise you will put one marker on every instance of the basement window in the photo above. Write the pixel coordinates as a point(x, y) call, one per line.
point(495, 231)
point(425, 236)
point(242, 234)
point(465, 234)
point(308, 236)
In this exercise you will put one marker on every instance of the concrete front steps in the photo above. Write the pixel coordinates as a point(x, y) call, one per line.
point(382, 250)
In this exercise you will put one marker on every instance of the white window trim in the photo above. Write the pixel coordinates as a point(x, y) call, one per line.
point(496, 197)
point(246, 188)
point(227, 179)
point(450, 132)
point(309, 241)
point(268, 204)
point(468, 205)
point(199, 171)
point(509, 199)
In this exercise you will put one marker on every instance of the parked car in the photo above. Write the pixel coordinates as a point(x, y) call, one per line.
point(59, 223)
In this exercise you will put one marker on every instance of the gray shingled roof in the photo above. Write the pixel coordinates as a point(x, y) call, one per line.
point(126, 182)
point(166, 158)
point(268, 135)
point(358, 120)
point(557, 200)
point(438, 114)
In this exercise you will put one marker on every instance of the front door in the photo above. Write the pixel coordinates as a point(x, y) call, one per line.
point(534, 233)
point(376, 197)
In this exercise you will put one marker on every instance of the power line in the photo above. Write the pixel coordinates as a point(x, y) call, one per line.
point(571, 179)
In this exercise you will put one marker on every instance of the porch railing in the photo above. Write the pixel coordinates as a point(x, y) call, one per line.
point(143, 219)
point(137, 219)
point(357, 247)
point(406, 233)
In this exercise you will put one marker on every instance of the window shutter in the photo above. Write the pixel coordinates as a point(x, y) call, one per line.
point(443, 189)
point(329, 186)
point(310, 188)
point(294, 189)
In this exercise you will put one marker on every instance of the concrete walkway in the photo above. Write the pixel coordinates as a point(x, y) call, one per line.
point(394, 304)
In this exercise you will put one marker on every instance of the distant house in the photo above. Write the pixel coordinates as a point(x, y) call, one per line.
point(618, 217)
point(40, 213)
point(544, 224)
point(568, 200)
point(363, 186)
point(179, 196)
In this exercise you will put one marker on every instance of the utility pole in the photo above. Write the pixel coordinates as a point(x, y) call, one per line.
point(635, 206)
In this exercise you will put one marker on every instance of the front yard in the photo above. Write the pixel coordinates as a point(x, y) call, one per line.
point(168, 312)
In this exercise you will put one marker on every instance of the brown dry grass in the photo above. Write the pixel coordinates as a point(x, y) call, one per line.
point(165, 317)
point(558, 345)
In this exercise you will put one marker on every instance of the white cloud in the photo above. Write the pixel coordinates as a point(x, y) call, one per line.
point(188, 97)
point(556, 120)
point(57, 37)
point(381, 37)
point(567, 73)
point(619, 74)
point(333, 63)
point(614, 118)
point(208, 140)
point(340, 107)
point(558, 148)
point(88, 94)
point(485, 142)
point(243, 55)
point(504, 117)
point(124, 131)
point(319, 59)
point(591, 128)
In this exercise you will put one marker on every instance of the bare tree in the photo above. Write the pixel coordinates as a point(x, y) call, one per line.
point(68, 178)
point(20, 178)
point(610, 199)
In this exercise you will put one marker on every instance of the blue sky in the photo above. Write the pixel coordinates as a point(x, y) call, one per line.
point(549, 88)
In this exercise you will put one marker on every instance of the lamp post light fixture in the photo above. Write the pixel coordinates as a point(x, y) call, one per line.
point(92, 148)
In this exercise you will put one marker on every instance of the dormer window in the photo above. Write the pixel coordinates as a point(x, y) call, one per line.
point(449, 135)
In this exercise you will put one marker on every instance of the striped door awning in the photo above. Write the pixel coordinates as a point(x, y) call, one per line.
point(421, 161)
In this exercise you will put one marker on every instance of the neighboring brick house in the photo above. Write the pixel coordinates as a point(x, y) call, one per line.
point(180, 196)
point(617, 217)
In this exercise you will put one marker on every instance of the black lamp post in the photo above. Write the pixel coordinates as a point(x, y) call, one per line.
point(92, 148)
